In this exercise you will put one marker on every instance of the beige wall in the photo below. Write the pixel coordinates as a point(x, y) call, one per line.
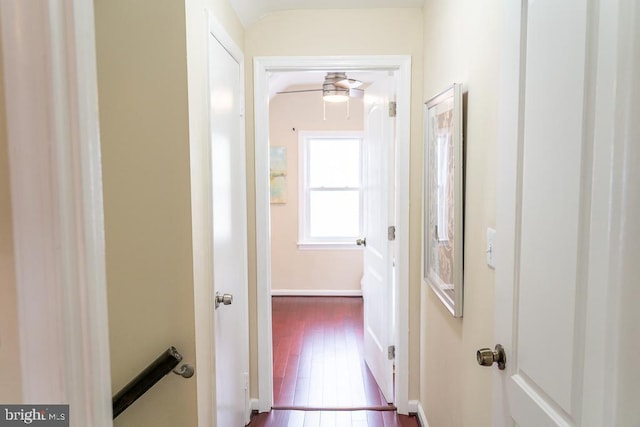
point(461, 45)
point(352, 32)
point(11, 385)
point(292, 268)
point(142, 83)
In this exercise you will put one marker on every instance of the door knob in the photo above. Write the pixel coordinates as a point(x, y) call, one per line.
point(361, 242)
point(225, 299)
point(487, 357)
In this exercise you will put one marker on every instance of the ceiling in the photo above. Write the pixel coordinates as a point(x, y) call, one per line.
point(249, 11)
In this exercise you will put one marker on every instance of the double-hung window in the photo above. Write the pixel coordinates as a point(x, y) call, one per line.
point(330, 171)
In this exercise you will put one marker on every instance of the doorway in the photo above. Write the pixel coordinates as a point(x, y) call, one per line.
point(316, 165)
point(318, 154)
point(264, 67)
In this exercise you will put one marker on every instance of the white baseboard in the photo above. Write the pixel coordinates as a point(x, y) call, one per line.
point(419, 410)
point(316, 292)
point(254, 404)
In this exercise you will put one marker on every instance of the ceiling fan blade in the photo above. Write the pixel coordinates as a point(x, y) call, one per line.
point(299, 91)
point(356, 93)
point(348, 83)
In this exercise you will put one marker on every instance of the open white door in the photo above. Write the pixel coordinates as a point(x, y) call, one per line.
point(229, 237)
point(377, 287)
point(557, 289)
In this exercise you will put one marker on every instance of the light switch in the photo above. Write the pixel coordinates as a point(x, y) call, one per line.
point(490, 250)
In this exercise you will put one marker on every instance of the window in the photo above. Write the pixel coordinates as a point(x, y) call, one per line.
point(330, 187)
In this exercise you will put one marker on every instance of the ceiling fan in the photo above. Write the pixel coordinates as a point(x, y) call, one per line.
point(337, 87)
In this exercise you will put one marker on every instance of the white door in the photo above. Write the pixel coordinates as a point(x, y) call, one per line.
point(377, 288)
point(553, 290)
point(229, 236)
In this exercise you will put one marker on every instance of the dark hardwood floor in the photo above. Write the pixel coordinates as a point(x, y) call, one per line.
point(318, 363)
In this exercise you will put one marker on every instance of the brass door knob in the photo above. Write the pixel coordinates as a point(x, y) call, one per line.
point(487, 357)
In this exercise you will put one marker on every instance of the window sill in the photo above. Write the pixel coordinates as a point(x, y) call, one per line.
point(312, 246)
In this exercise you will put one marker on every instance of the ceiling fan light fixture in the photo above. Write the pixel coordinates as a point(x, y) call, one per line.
point(335, 95)
point(331, 91)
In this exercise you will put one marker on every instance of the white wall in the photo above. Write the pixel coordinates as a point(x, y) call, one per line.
point(293, 268)
point(461, 45)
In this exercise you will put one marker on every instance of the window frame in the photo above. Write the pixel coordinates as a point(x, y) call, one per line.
point(305, 241)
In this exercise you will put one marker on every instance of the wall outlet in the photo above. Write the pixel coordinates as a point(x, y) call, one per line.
point(490, 249)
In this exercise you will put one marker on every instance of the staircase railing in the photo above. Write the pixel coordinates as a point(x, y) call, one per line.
point(146, 379)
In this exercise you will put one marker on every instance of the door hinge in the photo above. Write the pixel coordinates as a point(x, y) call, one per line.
point(391, 352)
point(391, 232)
point(392, 108)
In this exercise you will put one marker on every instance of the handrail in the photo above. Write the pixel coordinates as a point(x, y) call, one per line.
point(148, 378)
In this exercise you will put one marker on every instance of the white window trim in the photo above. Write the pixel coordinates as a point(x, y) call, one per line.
point(329, 245)
point(304, 242)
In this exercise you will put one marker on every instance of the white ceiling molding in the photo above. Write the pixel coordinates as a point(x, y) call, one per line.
point(250, 11)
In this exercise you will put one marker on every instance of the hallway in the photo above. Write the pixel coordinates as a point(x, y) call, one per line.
point(319, 363)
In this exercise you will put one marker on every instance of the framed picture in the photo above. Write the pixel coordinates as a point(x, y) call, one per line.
point(442, 212)
point(278, 174)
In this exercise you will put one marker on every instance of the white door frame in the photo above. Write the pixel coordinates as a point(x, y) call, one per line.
point(56, 185)
point(611, 380)
point(263, 66)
